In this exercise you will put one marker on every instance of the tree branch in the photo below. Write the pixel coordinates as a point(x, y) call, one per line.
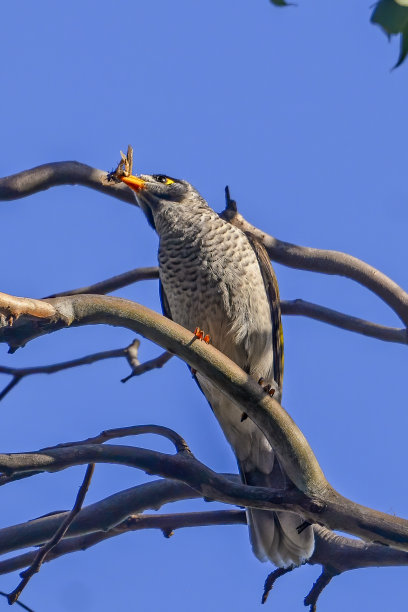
point(328, 262)
point(167, 523)
point(42, 554)
point(19, 603)
point(335, 553)
point(45, 176)
point(101, 516)
point(290, 444)
point(325, 261)
point(315, 499)
point(339, 319)
point(288, 307)
point(114, 282)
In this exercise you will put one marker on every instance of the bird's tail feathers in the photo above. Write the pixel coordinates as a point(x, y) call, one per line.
point(275, 535)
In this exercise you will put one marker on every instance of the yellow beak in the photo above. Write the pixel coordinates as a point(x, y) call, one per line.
point(133, 182)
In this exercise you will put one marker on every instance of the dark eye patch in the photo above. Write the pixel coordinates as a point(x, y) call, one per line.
point(160, 178)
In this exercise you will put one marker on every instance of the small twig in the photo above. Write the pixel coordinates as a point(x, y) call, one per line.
point(124, 432)
point(272, 578)
point(147, 366)
point(320, 584)
point(59, 534)
point(297, 307)
point(114, 282)
point(109, 434)
point(167, 523)
point(229, 204)
point(132, 354)
point(19, 603)
point(344, 321)
point(19, 373)
point(13, 382)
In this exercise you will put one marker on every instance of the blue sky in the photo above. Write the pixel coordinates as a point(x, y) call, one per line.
point(299, 112)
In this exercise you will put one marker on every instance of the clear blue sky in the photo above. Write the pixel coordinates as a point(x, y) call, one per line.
point(298, 111)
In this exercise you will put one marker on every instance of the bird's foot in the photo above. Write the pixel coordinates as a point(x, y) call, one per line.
point(201, 336)
point(267, 388)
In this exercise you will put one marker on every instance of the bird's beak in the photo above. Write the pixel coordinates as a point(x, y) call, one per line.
point(134, 182)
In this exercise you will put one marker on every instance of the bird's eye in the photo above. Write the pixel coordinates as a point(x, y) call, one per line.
point(161, 178)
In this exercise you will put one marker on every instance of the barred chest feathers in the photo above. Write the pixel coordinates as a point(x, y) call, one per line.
point(212, 279)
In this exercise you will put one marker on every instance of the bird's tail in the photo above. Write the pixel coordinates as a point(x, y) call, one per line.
point(275, 535)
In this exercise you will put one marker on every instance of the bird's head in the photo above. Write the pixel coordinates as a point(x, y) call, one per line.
point(157, 193)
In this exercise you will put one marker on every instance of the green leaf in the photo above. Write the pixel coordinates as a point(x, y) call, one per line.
point(280, 3)
point(403, 48)
point(392, 17)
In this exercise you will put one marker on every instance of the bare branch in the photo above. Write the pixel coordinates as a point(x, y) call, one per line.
point(329, 509)
point(339, 319)
point(289, 307)
point(113, 283)
point(59, 534)
point(320, 584)
point(130, 353)
point(147, 366)
point(14, 381)
point(328, 262)
point(335, 553)
point(64, 365)
point(101, 516)
point(167, 523)
point(19, 603)
point(272, 578)
point(315, 499)
point(296, 455)
point(43, 177)
point(304, 258)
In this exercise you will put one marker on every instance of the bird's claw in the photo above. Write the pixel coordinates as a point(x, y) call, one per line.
point(267, 388)
point(201, 336)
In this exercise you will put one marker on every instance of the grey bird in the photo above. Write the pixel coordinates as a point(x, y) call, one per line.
point(215, 277)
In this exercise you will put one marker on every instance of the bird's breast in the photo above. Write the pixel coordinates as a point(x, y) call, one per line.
point(211, 278)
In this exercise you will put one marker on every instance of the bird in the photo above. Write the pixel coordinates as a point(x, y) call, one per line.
point(217, 278)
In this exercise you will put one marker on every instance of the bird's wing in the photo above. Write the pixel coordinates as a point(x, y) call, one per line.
point(164, 302)
point(272, 291)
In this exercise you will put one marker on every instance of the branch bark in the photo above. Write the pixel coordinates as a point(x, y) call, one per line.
point(44, 551)
point(325, 261)
point(335, 553)
point(43, 177)
point(329, 262)
point(288, 307)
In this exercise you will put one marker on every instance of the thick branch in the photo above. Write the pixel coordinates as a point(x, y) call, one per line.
point(292, 447)
point(329, 262)
point(320, 503)
point(167, 523)
point(101, 516)
point(43, 177)
point(339, 319)
point(289, 307)
point(331, 550)
point(330, 509)
point(304, 258)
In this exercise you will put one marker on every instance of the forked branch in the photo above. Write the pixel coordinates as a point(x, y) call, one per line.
point(325, 261)
point(312, 497)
